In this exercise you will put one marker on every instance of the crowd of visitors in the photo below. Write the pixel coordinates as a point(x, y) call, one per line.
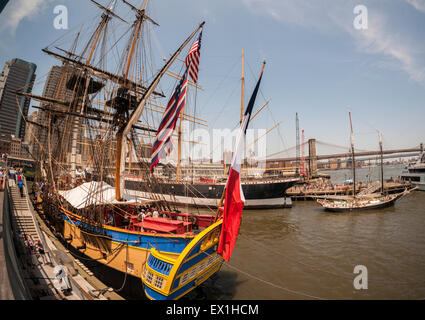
point(140, 211)
point(32, 251)
point(38, 188)
point(16, 175)
point(2, 178)
point(147, 211)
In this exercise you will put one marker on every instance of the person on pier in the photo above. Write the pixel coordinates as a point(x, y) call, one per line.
point(41, 252)
point(21, 187)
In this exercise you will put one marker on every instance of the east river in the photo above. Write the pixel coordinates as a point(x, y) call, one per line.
point(304, 252)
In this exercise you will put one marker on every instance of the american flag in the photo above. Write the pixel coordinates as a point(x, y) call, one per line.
point(192, 59)
point(162, 145)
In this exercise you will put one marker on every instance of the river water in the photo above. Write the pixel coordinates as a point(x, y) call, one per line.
point(304, 252)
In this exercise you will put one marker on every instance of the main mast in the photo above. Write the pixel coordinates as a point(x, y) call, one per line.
point(242, 85)
point(382, 163)
point(86, 76)
point(123, 101)
point(179, 147)
point(124, 128)
point(352, 154)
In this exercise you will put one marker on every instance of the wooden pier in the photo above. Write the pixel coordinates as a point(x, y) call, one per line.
point(22, 275)
point(312, 192)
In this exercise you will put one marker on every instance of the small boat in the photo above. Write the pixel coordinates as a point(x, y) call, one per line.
point(360, 201)
point(350, 204)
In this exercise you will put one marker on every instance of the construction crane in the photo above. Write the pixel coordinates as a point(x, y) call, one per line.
point(297, 122)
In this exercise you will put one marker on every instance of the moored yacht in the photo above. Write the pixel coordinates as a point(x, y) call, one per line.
point(415, 173)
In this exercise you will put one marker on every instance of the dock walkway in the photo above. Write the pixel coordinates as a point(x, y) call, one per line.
point(312, 192)
point(6, 290)
point(26, 276)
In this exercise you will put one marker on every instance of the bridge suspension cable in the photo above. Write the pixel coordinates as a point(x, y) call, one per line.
point(336, 146)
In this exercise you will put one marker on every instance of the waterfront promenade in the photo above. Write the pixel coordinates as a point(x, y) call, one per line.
point(26, 276)
point(6, 291)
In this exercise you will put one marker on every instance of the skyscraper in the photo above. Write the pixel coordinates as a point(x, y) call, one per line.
point(3, 4)
point(54, 88)
point(17, 75)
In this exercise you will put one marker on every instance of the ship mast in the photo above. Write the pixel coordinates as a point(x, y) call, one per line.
point(242, 86)
point(92, 44)
point(382, 163)
point(63, 76)
point(121, 151)
point(352, 154)
point(124, 128)
point(179, 147)
point(242, 96)
point(179, 142)
point(223, 195)
point(140, 14)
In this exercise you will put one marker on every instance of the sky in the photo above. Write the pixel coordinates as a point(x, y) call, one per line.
point(318, 63)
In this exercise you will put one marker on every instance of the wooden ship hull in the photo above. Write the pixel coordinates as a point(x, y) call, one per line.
point(359, 205)
point(161, 260)
point(168, 278)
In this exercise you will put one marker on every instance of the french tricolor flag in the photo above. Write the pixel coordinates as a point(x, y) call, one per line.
point(234, 198)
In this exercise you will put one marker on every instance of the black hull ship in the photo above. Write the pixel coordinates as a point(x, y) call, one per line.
point(258, 194)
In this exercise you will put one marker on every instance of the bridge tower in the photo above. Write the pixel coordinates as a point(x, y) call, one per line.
point(312, 157)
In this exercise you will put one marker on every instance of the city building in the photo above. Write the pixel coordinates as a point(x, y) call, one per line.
point(5, 144)
point(145, 150)
point(17, 75)
point(13, 147)
point(30, 129)
point(3, 4)
point(54, 87)
point(334, 163)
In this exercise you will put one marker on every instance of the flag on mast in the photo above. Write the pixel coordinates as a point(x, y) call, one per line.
point(162, 145)
point(192, 59)
point(234, 198)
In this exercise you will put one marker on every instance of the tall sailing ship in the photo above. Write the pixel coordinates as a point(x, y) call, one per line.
point(171, 252)
point(201, 185)
point(260, 193)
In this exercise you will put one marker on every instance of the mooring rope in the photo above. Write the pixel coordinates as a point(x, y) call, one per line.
point(273, 284)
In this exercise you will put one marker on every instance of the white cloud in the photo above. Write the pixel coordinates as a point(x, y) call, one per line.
point(418, 4)
point(306, 13)
point(18, 10)
point(383, 36)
